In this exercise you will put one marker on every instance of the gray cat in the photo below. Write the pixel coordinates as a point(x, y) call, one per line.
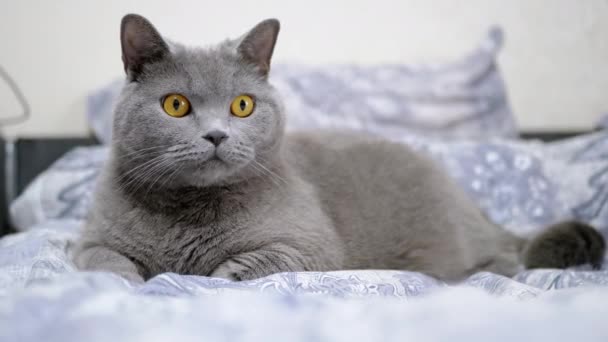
point(202, 180)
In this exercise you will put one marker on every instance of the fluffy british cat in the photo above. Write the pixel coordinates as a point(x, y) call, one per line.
point(203, 180)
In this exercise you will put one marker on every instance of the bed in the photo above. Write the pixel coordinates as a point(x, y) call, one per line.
point(523, 185)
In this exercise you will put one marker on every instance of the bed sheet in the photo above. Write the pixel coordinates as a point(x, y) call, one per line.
point(43, 297)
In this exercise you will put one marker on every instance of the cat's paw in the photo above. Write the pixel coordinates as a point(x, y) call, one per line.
point(229, 270)
point(133, 278)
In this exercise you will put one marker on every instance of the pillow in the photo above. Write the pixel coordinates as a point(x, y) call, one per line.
point(62, 192)
point(466, 98)
point(603, 122)
point(521, 185)
point(100, 110)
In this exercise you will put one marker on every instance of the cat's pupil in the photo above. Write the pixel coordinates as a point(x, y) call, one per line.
point(176, 104)
point(243, 104)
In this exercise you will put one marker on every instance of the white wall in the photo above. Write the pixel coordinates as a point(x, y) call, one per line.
point(554, 59)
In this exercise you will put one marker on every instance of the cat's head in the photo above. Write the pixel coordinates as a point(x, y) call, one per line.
point(195, 116)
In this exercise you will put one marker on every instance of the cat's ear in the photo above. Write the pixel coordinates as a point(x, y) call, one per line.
point(141, 44)
point(258, 44)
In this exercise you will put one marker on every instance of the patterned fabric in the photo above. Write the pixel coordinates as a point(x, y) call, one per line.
point(527, 185)
point(463, 99)
point(64, 191)
point(466, 98)
point(42, 298)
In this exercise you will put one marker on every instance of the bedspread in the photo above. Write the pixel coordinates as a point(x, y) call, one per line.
point(42, 297)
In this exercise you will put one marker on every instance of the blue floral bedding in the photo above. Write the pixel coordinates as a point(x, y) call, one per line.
point(521, 185)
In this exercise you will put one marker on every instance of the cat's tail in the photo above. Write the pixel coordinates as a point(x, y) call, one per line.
point(564, 245)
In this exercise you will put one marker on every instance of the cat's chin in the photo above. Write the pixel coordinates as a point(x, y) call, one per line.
point(213, 171)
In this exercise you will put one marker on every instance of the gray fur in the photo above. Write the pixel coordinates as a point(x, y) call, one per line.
point(261, 202)
point(566, 244)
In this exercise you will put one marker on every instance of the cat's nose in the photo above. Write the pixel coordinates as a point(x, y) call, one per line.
point(216, 137)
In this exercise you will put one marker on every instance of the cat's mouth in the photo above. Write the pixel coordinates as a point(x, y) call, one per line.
point(214, 160)
point(222, 161)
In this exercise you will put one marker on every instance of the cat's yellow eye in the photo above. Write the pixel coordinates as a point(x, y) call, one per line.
point(242, 106)
point(176, 105)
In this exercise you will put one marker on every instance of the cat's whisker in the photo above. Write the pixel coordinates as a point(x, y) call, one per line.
point(161, 175)
point(270, 171)
point(265, 176)
point(159, 168)
point(151, 165)
point(170, 177)
point(148, 151)
point(137, 167)
point(142, 150)
point(135, 157)
point(248, 128)
point(242, 154)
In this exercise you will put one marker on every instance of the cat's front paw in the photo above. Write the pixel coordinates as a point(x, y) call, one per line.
point(230, 270)
point(132, 277)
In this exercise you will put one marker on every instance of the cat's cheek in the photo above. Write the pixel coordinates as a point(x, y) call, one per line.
point(236, 155)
